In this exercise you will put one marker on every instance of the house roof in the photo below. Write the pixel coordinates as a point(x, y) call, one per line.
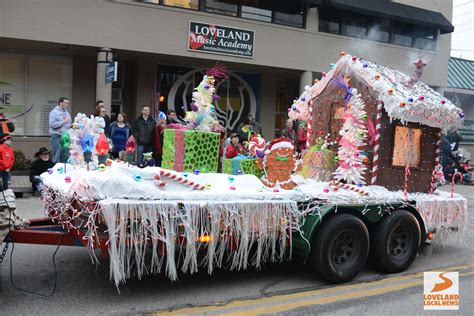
point(461, 73)
point(418, 103)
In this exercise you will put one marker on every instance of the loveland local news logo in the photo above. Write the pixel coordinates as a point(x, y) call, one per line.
point(441, 291)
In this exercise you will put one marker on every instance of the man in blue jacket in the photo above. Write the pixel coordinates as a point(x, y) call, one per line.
point(59, 121)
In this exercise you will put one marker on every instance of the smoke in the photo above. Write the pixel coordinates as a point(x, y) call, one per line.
point(373, 45)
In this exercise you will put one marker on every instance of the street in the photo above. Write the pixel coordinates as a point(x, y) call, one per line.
point(286, 289)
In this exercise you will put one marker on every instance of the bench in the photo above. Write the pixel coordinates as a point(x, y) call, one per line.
point(21, 185)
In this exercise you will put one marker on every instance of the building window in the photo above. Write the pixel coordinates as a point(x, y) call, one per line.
point(30, 86)
point(186, 4)
point(379, 31)
point(258, 14)
point(375, 29)
point(289, 19)
point(218, 7)
point(407, 147)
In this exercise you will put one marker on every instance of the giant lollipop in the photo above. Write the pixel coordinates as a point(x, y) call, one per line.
point(257, 146)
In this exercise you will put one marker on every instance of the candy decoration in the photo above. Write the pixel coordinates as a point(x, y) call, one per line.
point(231, 179)
point(158, 181)
point(50, 170)
point(378, 127)
point(407, 173)
point(196, 172)
point(435, 174)
point(276, 190)
point(60, 170)
point(182, 180)
point(310, 124)
point(350, 187)
point(101, 167)
point(233, 188)
point(456, 174)
point(257, 143)
point(137, 177)
point(67, 179)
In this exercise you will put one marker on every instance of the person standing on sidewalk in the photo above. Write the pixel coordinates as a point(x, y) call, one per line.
point(102, 112)
point(143, 128)
point(59, 121)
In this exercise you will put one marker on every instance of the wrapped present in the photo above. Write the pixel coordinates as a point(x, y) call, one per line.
point(188, 150)
point(318, 164)
point(241, 164)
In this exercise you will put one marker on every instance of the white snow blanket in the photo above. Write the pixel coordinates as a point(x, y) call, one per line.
point(237, 210)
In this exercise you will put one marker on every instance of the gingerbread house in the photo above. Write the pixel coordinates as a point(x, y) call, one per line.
point(407, 117)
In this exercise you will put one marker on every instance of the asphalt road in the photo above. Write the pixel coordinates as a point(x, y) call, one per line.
point(286, 289)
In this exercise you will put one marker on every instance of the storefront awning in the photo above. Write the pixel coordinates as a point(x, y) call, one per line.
point(390, 10)
point(286, 6)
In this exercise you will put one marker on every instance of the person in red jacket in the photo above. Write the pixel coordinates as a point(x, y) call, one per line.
point(302, 136)
point(234, 148)
point(6, 159)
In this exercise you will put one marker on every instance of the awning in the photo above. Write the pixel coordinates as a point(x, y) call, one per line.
point(390, 10)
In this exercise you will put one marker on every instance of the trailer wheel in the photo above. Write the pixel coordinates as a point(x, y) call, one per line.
point(340, 248)
point(396, 241)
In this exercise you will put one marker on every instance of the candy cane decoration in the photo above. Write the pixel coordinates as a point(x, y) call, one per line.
point(407, 173)
point(349, 187)
point(309, 135)
point(181, 180)
point(456, 173)
point(378, 126)
point(436, 174)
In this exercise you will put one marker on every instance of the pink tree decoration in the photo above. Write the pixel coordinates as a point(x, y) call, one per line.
point(419, 64)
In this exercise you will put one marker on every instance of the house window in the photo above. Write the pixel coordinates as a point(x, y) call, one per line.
point(407, 147)
point(186, 4)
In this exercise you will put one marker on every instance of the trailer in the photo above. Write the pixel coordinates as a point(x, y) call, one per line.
point(335, 239)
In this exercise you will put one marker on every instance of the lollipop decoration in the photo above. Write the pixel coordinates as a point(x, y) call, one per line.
point(102, 148)
point(257, 146)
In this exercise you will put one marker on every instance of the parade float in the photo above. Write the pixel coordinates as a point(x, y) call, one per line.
point(368, 181)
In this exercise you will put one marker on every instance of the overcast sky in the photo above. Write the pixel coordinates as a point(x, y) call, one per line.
point(462, 40)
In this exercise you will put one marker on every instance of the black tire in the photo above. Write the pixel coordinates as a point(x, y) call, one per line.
point(395, 241)
point(339, 248)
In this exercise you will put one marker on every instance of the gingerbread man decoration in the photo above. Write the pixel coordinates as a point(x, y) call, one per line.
point(279, 164)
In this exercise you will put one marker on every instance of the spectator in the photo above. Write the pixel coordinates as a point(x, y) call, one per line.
point(39, 166)
point(234, 148)
point(119, 132)
point(158, 141)
point(102, 112)
point(302, 136)
point(252, 123)
point(143, 130)
point(246, 125)
point(172, 117)
point(59, 121)
point(7, 159)
point(289, 131)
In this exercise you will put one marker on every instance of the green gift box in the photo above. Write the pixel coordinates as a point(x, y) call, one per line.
point(245, 166)
point(187, 150)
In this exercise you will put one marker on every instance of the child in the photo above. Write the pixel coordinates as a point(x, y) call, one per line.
point(6, 159)
point(39, 166)
point(147, 161)
point(234, 148)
